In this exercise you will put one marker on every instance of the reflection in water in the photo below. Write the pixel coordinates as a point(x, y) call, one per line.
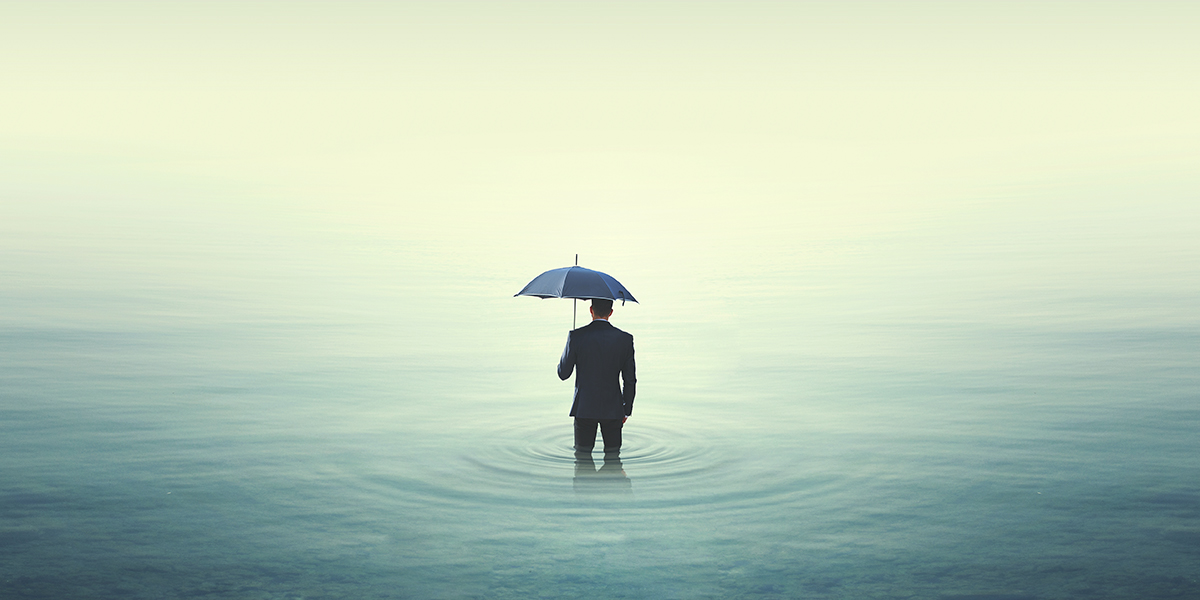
point(610, 478)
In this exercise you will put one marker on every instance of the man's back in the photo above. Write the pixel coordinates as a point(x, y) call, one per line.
point(601, 353)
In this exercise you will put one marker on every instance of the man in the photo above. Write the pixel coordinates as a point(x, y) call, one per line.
point(602, 353)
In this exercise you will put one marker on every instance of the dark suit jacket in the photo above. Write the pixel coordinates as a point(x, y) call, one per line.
point(601, 352)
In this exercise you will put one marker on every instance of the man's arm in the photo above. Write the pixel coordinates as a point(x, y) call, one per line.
point(629, 377)
point(566, 364)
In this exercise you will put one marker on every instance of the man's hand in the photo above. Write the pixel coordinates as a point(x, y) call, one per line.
point(624, 418)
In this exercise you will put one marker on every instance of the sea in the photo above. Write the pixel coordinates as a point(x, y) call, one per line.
point(994, 396)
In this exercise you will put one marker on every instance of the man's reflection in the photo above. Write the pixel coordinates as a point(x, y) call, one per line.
point(610, 478)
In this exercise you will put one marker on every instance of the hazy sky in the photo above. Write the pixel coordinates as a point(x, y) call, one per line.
point(665, 127)
point(385, 95)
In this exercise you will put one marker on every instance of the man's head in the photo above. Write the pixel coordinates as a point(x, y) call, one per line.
point(601, 308)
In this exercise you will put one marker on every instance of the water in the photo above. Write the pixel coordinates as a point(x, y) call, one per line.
point(289, 417)
point(918, 287)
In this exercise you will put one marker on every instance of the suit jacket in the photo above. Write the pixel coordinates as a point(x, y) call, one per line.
point(602, 353)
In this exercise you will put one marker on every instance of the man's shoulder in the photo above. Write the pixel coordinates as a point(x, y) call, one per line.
point(602, 328)
point(622, 333)
point(589, 328)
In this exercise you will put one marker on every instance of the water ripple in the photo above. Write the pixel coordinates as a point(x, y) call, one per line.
point(656, 467)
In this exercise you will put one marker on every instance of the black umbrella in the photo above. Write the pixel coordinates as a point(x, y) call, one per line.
point(578, 283)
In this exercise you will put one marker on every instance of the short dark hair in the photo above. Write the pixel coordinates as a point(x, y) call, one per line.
point(601, 307)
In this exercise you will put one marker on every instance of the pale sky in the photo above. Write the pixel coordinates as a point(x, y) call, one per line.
point(397, 95)
point(665, 123)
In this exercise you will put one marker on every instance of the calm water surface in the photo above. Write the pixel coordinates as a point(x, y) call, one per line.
point(995, 403)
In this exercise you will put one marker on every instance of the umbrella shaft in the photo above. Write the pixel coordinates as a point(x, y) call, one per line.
point(574, 302)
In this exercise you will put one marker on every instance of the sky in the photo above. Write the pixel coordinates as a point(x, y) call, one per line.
point(513, 135)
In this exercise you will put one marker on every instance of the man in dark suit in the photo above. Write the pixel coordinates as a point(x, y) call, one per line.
point(602, 353)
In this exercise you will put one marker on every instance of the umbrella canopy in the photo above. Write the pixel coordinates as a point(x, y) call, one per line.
point(576, 282)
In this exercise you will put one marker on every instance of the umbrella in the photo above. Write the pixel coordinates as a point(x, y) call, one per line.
point(578, 283)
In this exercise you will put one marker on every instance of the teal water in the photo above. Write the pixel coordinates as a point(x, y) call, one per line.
point(992, 402)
